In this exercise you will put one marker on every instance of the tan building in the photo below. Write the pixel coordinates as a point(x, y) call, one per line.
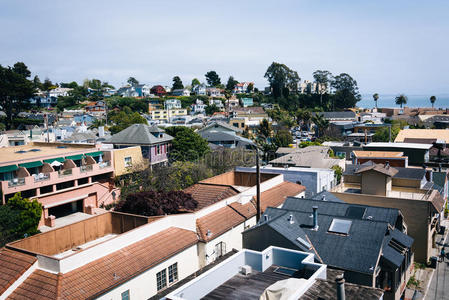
point(438, 134)
point(406, 189)
point(127, 160)
point(395, 159)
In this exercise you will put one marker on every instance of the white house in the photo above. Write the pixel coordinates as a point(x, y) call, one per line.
point(198, 107)
point(59, 92)
point(172, 104)
point(200, 89)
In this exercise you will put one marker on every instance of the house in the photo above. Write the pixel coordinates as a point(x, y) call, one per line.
point(214, 92)
point(309, 157)
point(405, 135)
point(96, 108)
point(242, 87)
point(369, 244)
point(84, 118)
point(333, 116)
point(59, 92)
point(172, 104)
point(418, 154)
point(394, 159)
point(217, 102)
point(153, 141)
point(143, 90)
point(65, 179)
point(407, 189)
point(43, 101)
point(167, 115)
point(198, 107)
point(200, 89)
point(180, 92)
point(223, 134)
point(314, 179)
point(247, 102)
point(158, 90)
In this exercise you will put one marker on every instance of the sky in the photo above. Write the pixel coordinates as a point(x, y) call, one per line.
point(389, 47)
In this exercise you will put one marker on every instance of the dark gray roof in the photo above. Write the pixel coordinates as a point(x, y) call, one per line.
point(221, 124)
point(403, 173)
point(340, 209)
point(359, 250)
point(326, 290)
point(328, 196)
point(138, 134)
point(223, 136)
point(337, 114)
point(439, 178)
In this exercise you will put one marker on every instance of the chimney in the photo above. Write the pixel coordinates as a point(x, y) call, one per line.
point(340, 287)
point(315, 217)
point(387, 165)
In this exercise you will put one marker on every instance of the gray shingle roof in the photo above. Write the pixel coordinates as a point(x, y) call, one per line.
point(221, 124)
point(223, 136)
point(404, 173)
point(328, 196)
point(138, 134)
point(337, 114)
point(326, 290)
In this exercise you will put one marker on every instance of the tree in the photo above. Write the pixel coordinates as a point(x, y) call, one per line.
point(187, 144)
point(264, 130)
point(338, 171)
point(432, 100)
point(323, 79)
point(401, 100)
point(37, 84)
point(124, 119)
point(157, 203)
point(132, 81)
point(282, 79)
point(321, 124)
point(230, 85)
point(48, 85)
point(250, 87)
point(376, 97)
point(15, 90)
point(30, 213)
point(212, 78)
point(177, 83)
point(346, 91)
point(195, 81)
point(211, 109)
point(282, 138)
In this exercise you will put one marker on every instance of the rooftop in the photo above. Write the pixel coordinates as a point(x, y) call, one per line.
point(40, 150)
point(440, 134)
point(399, 145)
point(377, 154)
point(326, 290)
point(139, 134)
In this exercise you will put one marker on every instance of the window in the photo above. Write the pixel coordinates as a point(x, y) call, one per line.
point(128, 161)
point(340, 226)
point(173, 273)
point(125, 295)
point(161, 279)
point(158, 149)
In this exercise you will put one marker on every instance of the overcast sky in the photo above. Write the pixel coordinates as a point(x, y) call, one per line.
point(388, 46)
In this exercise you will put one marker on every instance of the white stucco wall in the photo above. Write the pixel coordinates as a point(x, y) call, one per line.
point(144, 285)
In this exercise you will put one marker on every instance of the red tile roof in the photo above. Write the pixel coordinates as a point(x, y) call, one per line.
point(208, 194)
point(224, 219)
point(97, 277)
point(13, 265)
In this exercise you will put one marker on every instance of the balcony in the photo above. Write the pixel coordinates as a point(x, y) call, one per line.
point(41, 177)
point(104, 164)
point(64, 173)
point(16, 182)
point(86, 168)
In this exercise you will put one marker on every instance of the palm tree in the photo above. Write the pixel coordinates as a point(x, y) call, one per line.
point(432, 100)
point(376, 97)
point(401, 100)
point(321, 124)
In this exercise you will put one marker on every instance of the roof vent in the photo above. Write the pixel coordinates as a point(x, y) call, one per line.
point(266, 217)
point(323, 198)
point(208, 233)
point(290, 219)
point(116, 277)
point(387, 165)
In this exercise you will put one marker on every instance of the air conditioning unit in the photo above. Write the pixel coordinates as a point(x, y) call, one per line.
point(246, 270)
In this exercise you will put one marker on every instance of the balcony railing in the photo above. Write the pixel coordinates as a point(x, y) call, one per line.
point(66, 172)
point(86, 168)
point(41, 177)
point(105, 164)
point(16, 182)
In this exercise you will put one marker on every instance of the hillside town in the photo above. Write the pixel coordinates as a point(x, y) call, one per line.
point(212, 191)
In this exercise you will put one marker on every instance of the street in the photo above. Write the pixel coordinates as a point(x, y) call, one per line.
point(439, 286)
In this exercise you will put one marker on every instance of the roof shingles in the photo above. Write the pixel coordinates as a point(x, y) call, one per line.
point(14, 264)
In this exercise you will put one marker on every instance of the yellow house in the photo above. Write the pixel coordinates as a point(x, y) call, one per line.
point(127, 160)
point(167, 114)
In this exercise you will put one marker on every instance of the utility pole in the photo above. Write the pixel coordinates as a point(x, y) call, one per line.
point(46, 124)
point(257, 186)
point(389, 138)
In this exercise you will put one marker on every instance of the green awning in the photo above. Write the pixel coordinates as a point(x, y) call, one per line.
point(59, 159)
point(75, 157)
point(95, 154)
point(9, 168)
point(33, 164)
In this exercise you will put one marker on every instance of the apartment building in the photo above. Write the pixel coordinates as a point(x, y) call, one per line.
point(407, 189)
point(166, 115)
point(367, 243)
point(65, 178)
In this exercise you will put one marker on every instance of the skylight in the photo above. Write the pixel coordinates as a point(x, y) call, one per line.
point(355, 212)
point(340, 226)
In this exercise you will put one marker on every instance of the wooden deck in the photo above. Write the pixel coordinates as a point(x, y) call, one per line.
point(242, 287)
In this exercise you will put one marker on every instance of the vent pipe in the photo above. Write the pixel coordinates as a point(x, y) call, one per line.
point(290, 219)
point(340, 281)
point(315, 217)
point(257, 186)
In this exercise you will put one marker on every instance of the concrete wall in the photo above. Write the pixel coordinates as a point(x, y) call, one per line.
point(144, 285)
point(415, 213)
point(119, 159)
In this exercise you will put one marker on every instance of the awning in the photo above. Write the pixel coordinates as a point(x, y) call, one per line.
point(58, 159)
point(75, 157)
point(95, 154)
point(33, 164)
point(9, 168)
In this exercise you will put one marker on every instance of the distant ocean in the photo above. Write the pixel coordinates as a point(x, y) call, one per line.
point(388, 100)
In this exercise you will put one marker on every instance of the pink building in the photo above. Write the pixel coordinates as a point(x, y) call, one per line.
point(64, 178)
